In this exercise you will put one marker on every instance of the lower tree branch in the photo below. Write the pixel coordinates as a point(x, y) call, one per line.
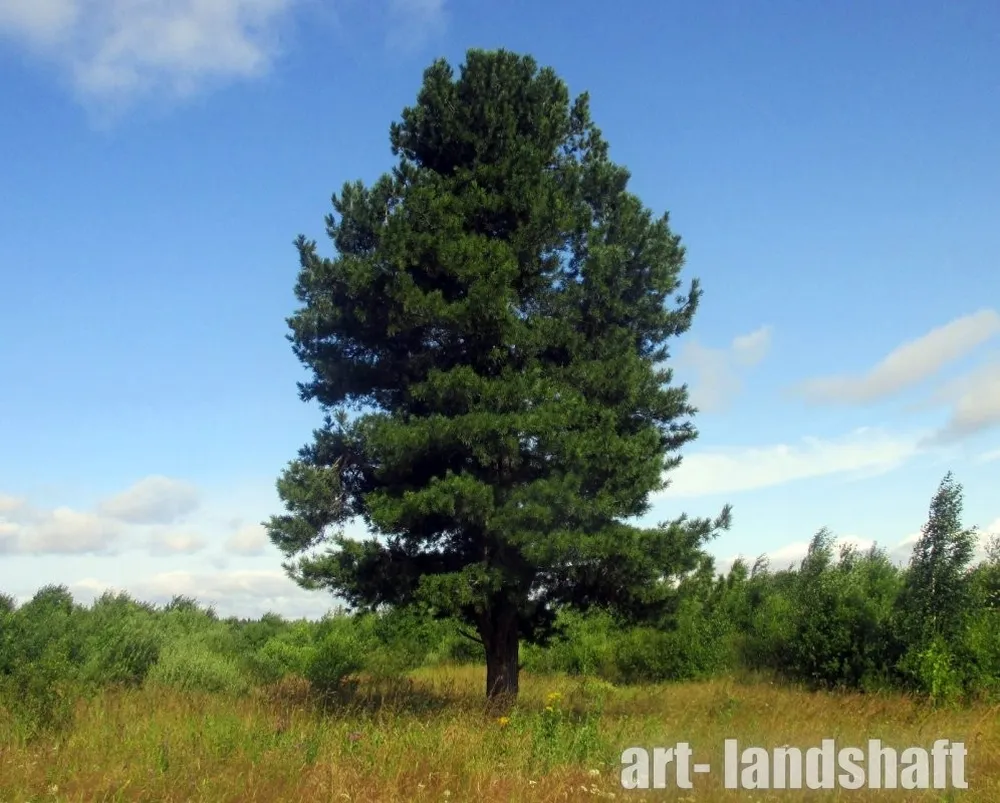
point(471, 637)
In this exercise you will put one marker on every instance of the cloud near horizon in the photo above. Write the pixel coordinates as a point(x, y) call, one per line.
point(144, 513)
point(251, 592)
point(61, 531)
point(248, 593)
point(157, 514)
point(908, 364)
point(791, 555)
point(9, 504)
point(244, 593)
point(731, 470)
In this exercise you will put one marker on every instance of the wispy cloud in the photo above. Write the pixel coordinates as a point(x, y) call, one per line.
point(717, 373)
point(413, 22)
point(725, 471)
point(909, 364)
point(65, 531)
point(10, 504)
point(250, 539)
point(143, 513)
point(173, 542)
point(153, 500)
point(113, 52)
point(975, 404)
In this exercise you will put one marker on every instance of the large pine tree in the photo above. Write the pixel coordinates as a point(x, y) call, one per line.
point(497, 316)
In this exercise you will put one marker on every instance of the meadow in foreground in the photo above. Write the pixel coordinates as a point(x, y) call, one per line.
point(427, 739)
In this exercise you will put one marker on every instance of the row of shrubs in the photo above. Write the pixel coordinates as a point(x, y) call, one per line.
point(851, 620)
point(54, 650)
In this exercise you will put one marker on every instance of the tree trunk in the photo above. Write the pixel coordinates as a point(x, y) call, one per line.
point(502, 663)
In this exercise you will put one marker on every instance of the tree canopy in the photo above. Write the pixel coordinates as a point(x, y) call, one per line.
point(490, 344)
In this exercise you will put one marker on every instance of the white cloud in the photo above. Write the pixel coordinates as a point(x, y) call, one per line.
point(902, 552)
point(260, 584)
point(749, 349)
point(115, 49)
point(718, 372)
point(725, 471)
point(9, 537)
point(910, 363)
point(414, 22)
point(41, 22)
point(975, 400)
point(250, 539)
point(989, 457)
point(176, 543)
point(65, 531)
point(10, 504)
point(153, 500)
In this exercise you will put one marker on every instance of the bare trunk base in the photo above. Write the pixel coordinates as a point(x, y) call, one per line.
point(502, 671)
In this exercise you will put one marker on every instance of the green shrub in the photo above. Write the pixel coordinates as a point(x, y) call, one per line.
point(40, 695)
point(194, 667)
point(124, 641)
point(125, 656)
point(279, 658)
point(934, 672)
point(335, 659)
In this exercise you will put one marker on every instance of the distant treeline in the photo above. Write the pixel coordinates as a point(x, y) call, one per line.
point(851, 620)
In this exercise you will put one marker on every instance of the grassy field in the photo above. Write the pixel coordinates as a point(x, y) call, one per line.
point(429, 740)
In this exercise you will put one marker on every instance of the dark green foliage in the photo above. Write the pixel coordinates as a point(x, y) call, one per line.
point(254, 634)
point(842, 617)
point(498, 310)
point(982, 637)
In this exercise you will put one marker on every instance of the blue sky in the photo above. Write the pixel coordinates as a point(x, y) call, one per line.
point(832, 169)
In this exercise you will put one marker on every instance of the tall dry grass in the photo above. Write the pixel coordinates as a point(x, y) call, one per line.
point(429, 740)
